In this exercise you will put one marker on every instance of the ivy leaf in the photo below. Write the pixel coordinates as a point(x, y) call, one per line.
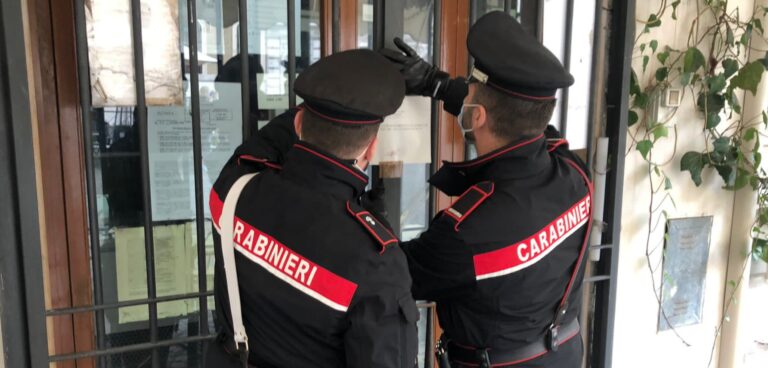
point(656, 170)
point(716, 83)
point(654, 44)
point(727, 174)
point(765, 119)
point(764, 60)
point(685, 79)
point(758, 157)
point(667, 184)
point(645, 62)
point(730, 67)
point(749, 77)
point(660, 131)
point(760, 249)
point(744, 40)
point(758, 25)
point(722, 145)
point(734, 102)
point(653, 22)
point(634, 87)
point(642, 48)
point(750, 134)
point(713, 103)
point(693, 162)
point(662, 73)
point(662, 57)
point(644, 147)
point(742, 179)
point(674, 9)
point(632, 119)
point(693, 60)
point(713, 119)
point(641, 101)
point(729, 39)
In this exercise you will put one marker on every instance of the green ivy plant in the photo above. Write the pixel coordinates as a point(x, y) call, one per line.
point(712, 68)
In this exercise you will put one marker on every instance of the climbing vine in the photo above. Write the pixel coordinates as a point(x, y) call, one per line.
point(714, 69)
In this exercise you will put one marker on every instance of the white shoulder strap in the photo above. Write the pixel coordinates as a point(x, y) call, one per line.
point(226, 223)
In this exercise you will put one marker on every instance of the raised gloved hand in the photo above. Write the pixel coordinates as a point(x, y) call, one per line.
point(421, 77)
point(373, 201)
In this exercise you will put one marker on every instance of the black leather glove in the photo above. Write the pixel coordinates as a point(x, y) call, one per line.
point(374, 201)
point(421, 77)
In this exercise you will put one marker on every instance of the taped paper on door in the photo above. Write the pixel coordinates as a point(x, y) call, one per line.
point(405, 136)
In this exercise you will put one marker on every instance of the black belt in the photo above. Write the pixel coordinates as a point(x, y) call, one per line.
point(477, 357)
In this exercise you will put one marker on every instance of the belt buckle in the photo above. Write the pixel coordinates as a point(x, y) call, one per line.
point(553, 342)
point(483, 358)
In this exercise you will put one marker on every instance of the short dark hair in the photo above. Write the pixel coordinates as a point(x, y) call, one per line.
point(513, 118)
point(343, 141)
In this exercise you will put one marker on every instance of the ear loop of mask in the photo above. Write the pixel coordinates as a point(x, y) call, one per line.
point(304, 111)
point(460, 119)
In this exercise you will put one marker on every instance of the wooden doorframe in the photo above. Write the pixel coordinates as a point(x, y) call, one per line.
point(65, 242)
point(454, 59)
point(347, 24)
point(59, 117)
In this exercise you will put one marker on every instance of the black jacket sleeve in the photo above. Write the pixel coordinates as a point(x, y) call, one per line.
point(263, 149)
point(440, 262)
point(382, 330)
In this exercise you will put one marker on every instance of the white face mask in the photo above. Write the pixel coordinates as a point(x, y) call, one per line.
point(460, 119)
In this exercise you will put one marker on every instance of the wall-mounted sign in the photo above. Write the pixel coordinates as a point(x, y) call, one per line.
point(685, 269)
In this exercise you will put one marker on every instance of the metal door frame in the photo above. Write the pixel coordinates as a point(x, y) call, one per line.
point(21, 291)
point(21, 276)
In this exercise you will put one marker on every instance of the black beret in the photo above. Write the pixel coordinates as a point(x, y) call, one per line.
point(513, 61)
point(352, 87)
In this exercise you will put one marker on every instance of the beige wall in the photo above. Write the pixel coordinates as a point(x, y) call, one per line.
point(637, 342)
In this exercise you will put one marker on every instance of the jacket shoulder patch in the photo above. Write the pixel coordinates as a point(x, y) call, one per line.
point(376, 228)
point(468, 202)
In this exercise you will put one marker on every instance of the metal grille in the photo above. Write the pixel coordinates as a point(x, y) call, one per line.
point(155, 342)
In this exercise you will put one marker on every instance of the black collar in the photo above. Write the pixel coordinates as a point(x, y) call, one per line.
point(324, 172)
point(519, 159)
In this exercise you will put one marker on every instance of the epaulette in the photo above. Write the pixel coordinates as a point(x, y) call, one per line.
point(376, 228)
point(468, 202)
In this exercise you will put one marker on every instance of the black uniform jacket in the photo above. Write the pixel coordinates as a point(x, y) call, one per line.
point(499, 260)
point(322, 282)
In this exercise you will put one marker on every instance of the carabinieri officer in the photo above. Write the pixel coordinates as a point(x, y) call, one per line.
point(323, 282)
point(504, 262)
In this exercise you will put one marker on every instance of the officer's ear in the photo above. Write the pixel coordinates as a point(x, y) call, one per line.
point(479, 117)
point(297, 122)
point(367, 156)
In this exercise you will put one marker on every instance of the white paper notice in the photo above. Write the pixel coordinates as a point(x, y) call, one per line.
point(110, 52)
point(171, 162)
point(273, 91)
point(175, 256)
point(405, 135)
